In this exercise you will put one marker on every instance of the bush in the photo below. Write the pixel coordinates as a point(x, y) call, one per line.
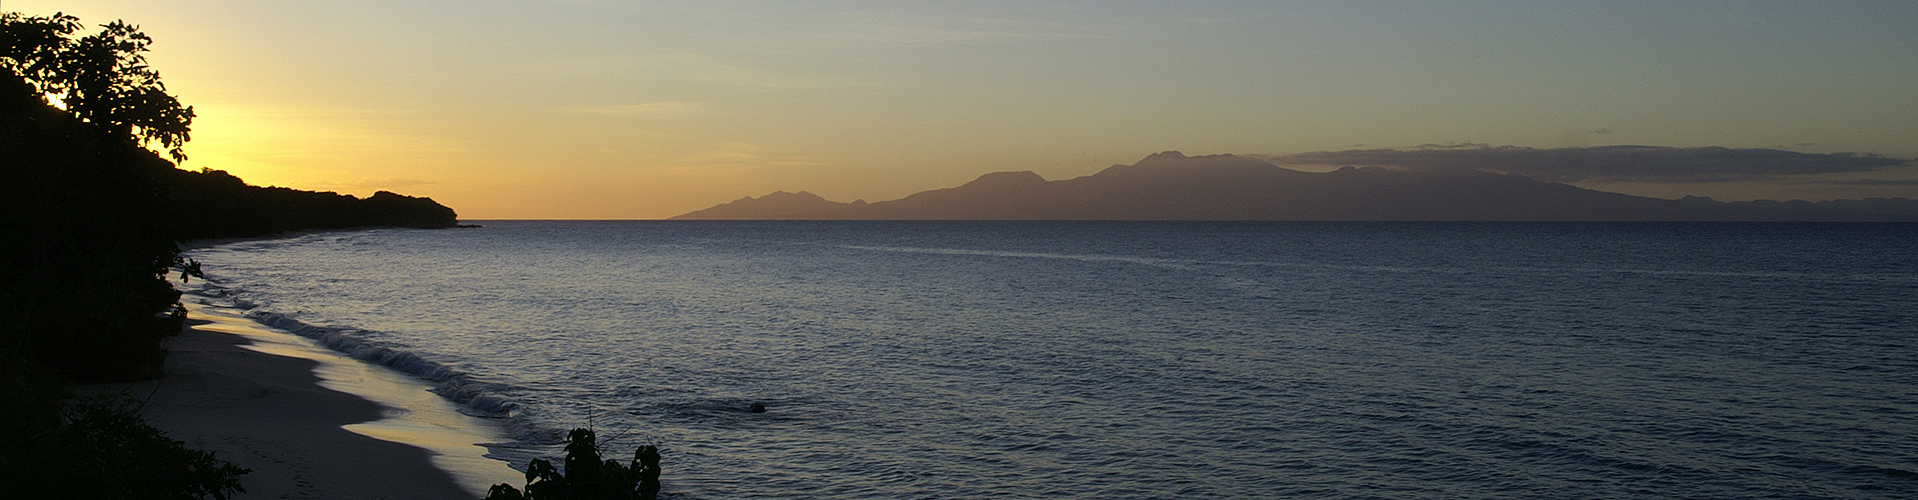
point(587, 476)
point(100, 448)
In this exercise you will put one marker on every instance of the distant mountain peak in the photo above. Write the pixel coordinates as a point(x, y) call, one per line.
point(1177, 157)
point(1003, 179)
point(775, 205)
point(802, 195)
point(1172, 186)
point(1165, 155)
point(1176, 164)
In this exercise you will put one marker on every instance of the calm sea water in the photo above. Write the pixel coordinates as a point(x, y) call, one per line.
point(1151, 360)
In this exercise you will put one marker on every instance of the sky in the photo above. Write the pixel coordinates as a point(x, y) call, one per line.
point(618, 109)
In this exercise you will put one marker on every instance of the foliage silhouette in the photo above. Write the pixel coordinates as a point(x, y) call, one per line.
point(93, 233)
point(588, 475)
point(100, 448)
point(102, 78)
point(95, 220)
point(98, 217)
point(220, 205)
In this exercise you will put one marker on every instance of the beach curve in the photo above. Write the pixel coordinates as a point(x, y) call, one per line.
point(312, 422)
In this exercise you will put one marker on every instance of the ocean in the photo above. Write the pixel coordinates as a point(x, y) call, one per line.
point(1147, 359)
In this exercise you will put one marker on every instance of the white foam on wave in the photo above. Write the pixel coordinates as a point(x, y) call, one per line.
point(455, 440)
point(465, 395)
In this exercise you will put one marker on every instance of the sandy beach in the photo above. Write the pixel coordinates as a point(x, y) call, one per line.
point(305, 418)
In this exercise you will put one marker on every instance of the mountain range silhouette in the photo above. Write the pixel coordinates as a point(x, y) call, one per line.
point(1173, 186)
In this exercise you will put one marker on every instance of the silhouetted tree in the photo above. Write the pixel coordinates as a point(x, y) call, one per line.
point(102, 79)
point(92, 231)
point(95, 218)
point(93, 221)
point(588, 476)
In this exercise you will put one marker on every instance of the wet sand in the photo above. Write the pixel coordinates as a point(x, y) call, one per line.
point(310, 422)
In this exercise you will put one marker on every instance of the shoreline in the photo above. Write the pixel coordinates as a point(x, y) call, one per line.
point(312, 422)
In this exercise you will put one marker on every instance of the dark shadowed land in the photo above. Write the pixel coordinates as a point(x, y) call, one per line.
point(1172, 186)
point(95, 219)
point(94, 222)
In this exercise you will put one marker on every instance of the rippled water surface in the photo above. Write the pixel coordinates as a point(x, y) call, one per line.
point(1151, 360)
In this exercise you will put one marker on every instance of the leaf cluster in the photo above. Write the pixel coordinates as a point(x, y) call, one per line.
point(102, 78)
point(90, 234)
point(588, 475)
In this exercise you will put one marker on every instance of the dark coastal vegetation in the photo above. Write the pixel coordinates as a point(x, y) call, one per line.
point(215, 204)
point(94, 222)
point(588, 475)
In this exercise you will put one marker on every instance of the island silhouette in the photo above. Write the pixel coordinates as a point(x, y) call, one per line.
point(1173, 186)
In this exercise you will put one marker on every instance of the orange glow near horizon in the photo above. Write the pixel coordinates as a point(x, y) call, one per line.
point(609, 110)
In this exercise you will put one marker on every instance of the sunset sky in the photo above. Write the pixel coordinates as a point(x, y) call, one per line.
point(640, 109)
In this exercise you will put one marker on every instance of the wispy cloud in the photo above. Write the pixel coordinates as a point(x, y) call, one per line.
point(667, 108)
point(1873, 182)
point(866, 28)
point(368, 184)
point(753, 69)
point(1608, 163)
point(732, 159)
